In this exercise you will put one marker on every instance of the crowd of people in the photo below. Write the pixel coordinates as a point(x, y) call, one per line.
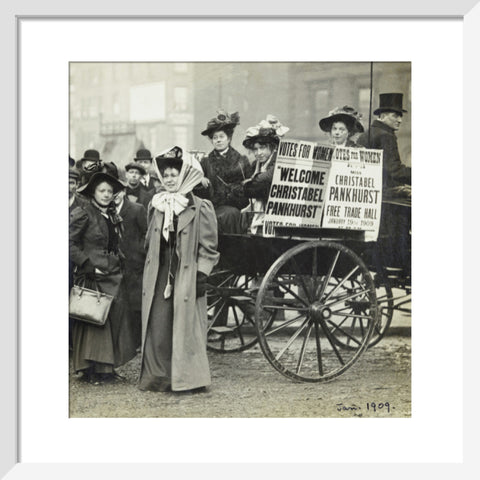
point(151, 241)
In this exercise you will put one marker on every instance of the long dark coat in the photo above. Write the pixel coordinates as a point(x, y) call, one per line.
point(196, 248)
point(132, 245)
point(383, 137)
point(230, 169)
point(112, 344)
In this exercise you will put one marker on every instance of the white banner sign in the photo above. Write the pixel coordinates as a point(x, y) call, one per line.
point(298, 190)
point(354, 192)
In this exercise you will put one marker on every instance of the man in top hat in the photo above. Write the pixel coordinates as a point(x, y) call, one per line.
point(91, 163)
point(396, 221)
point(382, 136)
point(149, 181)
point(135, 191)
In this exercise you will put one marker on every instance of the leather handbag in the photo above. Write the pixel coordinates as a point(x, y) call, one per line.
point(90, 306)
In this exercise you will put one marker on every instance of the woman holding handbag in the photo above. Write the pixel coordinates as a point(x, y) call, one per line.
point(181, 246)
point(95, 229)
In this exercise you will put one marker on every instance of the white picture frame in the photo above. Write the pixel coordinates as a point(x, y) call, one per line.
point(12, 243)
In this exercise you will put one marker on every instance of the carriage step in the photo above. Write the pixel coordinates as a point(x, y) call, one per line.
point(222, 330)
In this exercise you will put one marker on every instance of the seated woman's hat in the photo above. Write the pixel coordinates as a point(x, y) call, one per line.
point(89, 188)
point(171, 157)
point(222, 121)
point(268, 129)
point(347, 114)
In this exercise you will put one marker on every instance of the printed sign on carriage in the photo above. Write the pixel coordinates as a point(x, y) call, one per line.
point(299, 185)
point(354, 192)
point(325, 186)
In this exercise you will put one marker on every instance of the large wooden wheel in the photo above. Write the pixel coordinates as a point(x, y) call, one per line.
point(231, 310)
point(327, 302)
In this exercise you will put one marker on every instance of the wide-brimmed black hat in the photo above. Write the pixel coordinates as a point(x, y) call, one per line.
point(97, 178)
point(390, 102)
point(92, 155)
point(348, 115)
point(136, 166)
point(143, 154)
point(171, 157)
point(223, 121)
point(71, 161)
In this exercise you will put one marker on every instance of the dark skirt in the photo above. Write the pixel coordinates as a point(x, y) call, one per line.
point(100, 349)
point(156, 369)
point(229, 220)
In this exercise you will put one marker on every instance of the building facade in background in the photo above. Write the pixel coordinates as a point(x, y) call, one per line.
point(118, 108)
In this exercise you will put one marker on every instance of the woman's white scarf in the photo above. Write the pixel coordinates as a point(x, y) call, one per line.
point(175, 203)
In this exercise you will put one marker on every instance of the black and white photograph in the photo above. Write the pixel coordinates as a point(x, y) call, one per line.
point(240, 239)
point(242, 282)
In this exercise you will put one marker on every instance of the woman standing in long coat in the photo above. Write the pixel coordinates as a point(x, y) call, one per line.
point(94, 233)
point(181, 246)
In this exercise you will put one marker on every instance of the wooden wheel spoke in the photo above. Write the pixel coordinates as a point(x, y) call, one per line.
point(285, 308)
point(319, 349)
point(292, 339)
point(238, 330)
point(302, 351)
point(342, 282)
point(283, 325)
point(217, 314)
point(329, 275)
point(331, 340)
point(290, 291)
point(353, 315)
point(215, 303)
point(346, 297)
point(348, 335)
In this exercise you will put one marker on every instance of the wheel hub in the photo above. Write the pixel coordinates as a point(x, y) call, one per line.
point(318, 311)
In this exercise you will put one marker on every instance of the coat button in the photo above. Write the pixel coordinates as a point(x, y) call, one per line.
point(185, 232)
point(185, 299)
point(143, 293)
point(185, 266)
point(156, 229)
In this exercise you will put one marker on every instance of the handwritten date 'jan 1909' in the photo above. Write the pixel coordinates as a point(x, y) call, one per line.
point(370, 407)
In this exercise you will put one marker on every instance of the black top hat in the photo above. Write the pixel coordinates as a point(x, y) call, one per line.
point(390, 102)
point(92, 155)
point(143, 154)
point(171, 157)
point(348, 115)
point(71, 161)
point(221, 122)
point(136, 166)
point(89, 188)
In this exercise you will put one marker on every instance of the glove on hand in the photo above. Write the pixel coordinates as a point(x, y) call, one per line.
point(201, 284)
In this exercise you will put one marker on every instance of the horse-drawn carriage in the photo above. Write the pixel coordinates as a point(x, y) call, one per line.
point(313, 298)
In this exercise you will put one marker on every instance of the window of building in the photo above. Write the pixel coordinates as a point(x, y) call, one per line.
point(180, 136)
point(364, 103)
point(180, 99)
point(116, 105)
